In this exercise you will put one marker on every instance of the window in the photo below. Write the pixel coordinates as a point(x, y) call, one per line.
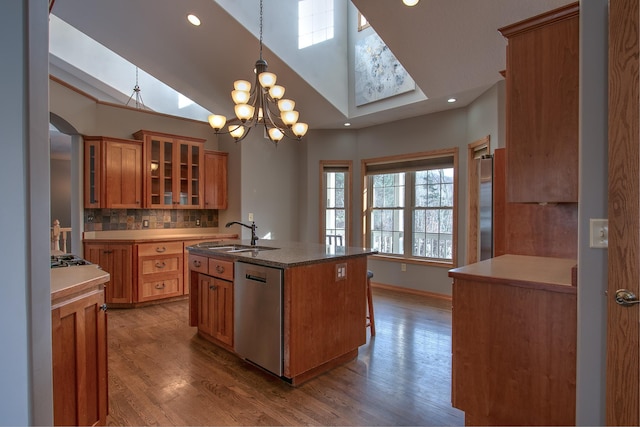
point(362, 22)
point(410, 206)
point(335, 202)
point(315, 22)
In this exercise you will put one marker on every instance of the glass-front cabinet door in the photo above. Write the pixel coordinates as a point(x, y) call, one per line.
point(173, 170)
point(92, 173)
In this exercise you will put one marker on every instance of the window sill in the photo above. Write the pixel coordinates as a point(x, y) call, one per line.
point(417, 261)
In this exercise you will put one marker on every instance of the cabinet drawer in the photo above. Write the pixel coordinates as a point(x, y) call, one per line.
point(221, 269)
point(162, 248)
point(155, 289)
point(199, 263)
point(160, 265)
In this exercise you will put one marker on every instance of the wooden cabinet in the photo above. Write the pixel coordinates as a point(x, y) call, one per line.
point(514, 328)
point(92, 173)
point(174, 174)
point(215, 308)
point(542, 107)
point(194, 262)
point(79, 351)
point(117, 260)
point(211, 298)
point(160, 270)
point(112, 173)
point(215, 180)
point(324, 318)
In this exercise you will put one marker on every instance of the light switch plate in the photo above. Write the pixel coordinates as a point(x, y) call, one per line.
point(250, 217)
point(598, 233)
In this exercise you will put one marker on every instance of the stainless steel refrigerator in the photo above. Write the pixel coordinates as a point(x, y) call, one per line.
point(485, 206)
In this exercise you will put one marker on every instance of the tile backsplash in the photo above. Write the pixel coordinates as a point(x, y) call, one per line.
point(135, 219)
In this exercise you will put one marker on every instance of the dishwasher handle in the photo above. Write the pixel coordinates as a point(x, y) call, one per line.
point(256, 277)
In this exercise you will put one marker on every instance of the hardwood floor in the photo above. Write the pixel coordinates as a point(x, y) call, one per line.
point(162, 373)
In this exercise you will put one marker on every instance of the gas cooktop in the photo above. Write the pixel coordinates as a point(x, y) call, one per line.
point(67, 260)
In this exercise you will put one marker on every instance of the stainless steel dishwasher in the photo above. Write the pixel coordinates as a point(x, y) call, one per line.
point(257, 314)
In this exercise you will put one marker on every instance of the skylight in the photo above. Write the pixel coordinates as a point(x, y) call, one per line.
point(81, 54)
point(315, 22)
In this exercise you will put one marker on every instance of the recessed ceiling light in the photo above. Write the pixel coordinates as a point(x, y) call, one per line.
point(193, 19)
point(347, 124)
point(410, 2)
point(450, 100)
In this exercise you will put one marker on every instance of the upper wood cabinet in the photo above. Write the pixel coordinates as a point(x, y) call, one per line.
point(173, 168)
point(215, 180)
point(542, 107)
point(112, 173)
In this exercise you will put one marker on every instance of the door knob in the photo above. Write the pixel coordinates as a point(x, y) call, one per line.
point(626, 298)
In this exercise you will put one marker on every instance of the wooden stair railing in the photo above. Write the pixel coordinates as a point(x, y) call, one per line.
point(60, 237)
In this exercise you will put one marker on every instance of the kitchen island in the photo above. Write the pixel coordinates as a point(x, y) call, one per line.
point(322, 300)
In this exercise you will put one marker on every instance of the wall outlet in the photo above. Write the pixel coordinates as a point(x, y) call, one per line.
point(598, 233)
point(341, 271)
point(145, 223)
point(403, 267)
point(197, 223)
point(250, 217)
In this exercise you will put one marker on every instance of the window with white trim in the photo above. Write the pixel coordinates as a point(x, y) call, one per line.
point(410, 206)
point(335, 204)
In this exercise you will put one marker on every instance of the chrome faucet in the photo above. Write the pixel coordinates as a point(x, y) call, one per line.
point(252, 227)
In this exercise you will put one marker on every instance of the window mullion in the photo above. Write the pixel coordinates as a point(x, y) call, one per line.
point(409, 203)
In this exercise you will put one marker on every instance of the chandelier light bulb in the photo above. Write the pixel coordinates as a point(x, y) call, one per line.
point(276, 92)
point(217, 121)
point(275, 134)
point(300, 129)
point(286, 105)
point(236, 131)
point(244, 111)
point(240, 96)
point(242, 85)
point(267, 80)
point(289, 117)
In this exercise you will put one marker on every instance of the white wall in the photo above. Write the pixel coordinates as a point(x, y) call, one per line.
point(25, 301)
point(90, 118)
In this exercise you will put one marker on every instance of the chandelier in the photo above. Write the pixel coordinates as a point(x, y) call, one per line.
point(261, 104)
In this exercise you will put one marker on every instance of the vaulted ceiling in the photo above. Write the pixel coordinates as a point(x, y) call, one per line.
point(449, 47)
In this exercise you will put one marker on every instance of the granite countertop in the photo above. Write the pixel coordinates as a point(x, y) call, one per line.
point(154, 235)
point(70, 281)
point(286, 254)
point(554, 274)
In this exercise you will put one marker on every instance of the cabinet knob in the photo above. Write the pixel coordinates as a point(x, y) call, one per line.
point(213, 287)
point(160, 285)
point(161, 249)
point(161, 264)
point(220, 269)
point(103, 307)
point(197, 263)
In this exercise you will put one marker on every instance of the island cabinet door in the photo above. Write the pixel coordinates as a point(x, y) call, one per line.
point(215, 308)
point(325, 316)
point(79, 352)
